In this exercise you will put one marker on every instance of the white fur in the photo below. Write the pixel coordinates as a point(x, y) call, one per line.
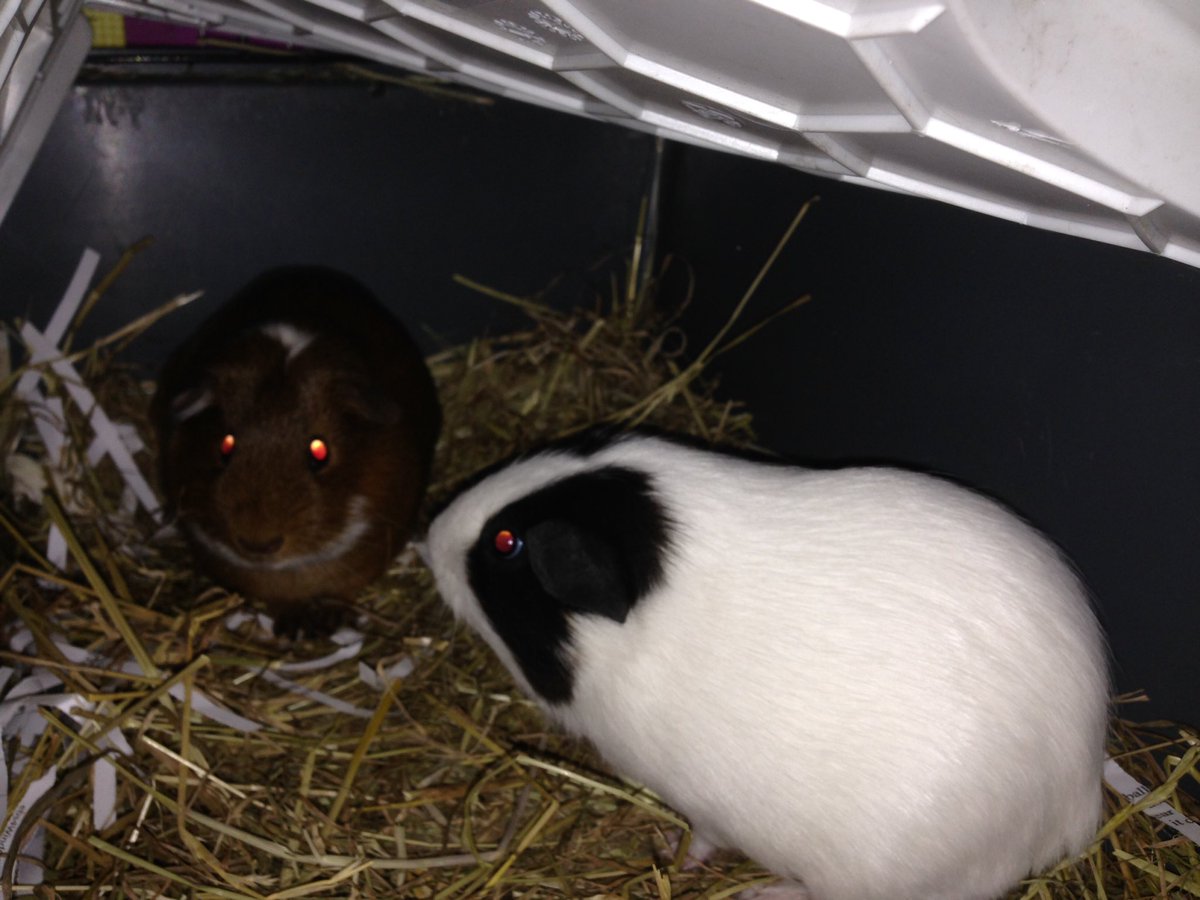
point(872, 681)
point(356, 525)
point(293, 339)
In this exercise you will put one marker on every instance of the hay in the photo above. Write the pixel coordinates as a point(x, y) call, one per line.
point(408, 766)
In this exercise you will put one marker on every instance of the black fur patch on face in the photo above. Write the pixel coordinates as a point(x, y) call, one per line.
point(590, 544)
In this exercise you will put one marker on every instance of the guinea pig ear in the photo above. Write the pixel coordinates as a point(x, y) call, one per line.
point(580, 570)
point(369, 403)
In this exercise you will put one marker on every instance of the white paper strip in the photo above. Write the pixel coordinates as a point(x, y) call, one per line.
point(14, 704)
point(129, 437)
point(104, 781)
point(29, 724)
point(117, 740)
point(204, 705)
point(48, 412)
point(348, 651)
point(74, 654)
point(48, 420)
point(12, 707)
point(73, 298)
point(43, 351)
point(21, 640)
point(104, 794)
point(29, 868)
point(351, 642)
point(20, 718)
point(1133, 791)
point(316, 696)
point(3, 778)
point(401, 669)
point(56, 549)
point(110, 440)
point(210, 709)
point(26, 873)
point(236, 620)
point(36, 683)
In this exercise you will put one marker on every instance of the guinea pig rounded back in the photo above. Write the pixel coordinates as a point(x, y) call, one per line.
point(296, 431)
point(796, 659)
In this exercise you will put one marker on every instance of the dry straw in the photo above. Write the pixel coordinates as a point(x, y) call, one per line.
point(442, 783)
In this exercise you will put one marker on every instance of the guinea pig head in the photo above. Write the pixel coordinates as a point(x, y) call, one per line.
point(274, 469)
point(526, 553)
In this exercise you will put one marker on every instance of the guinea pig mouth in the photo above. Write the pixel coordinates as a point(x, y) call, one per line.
point(356, 526)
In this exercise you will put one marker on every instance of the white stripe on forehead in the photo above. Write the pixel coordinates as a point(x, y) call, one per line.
point(293, 339)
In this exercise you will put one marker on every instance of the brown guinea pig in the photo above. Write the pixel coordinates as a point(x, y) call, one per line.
point(296, 429)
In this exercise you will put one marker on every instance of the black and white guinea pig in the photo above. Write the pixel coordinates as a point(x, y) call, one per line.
point(871, 681)
point(296, 429)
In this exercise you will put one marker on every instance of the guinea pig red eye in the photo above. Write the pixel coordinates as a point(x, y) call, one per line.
point(507, 544)
point(227, 444)
point(318, 453)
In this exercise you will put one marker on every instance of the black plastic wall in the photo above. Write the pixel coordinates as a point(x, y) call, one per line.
point(401, 188)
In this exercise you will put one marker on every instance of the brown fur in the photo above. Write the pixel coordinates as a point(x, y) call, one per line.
point(361, 385)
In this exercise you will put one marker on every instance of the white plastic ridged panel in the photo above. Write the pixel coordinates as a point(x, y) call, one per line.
point(42, 45)
point(1080, 116)
point(482, 65)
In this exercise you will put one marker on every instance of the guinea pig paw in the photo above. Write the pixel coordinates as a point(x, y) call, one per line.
point(777, 890)
point(698, 852)
point(311, 619)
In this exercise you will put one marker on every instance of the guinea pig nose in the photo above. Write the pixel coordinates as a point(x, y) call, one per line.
point(260, 548)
